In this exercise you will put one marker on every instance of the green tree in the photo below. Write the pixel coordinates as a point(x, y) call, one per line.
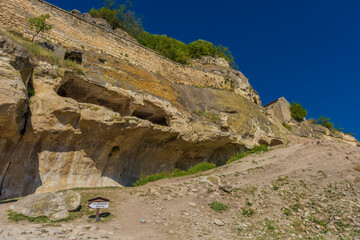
point(325, 122)
point(39, 24)
point(297, 111)
point(201, 48)
point(110, 15)
point(119, 16)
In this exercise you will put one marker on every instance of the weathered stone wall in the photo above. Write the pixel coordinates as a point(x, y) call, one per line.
point(279, 110)
point(73, 31)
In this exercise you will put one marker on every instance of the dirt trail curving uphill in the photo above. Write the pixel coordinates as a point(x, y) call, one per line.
point(306, 190)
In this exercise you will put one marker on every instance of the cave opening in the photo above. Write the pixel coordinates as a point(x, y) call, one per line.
point(85, 92)
point(75, 56)
point(152, 113)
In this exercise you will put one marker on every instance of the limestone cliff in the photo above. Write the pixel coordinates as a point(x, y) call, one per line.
point(128, 112)
point(132, 112)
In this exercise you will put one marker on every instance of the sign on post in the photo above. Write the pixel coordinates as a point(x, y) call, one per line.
point(98, 203)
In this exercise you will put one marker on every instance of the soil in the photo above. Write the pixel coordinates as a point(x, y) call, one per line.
point(308, 189)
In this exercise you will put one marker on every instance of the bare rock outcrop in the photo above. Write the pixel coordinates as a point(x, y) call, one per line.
point(278, 112)
point(132, 112)
point(16, 68)
point(238, 82)
point(121, 121)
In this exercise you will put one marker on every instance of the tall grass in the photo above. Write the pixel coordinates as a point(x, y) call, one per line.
point(204, 166)
point(201, 167)
point(41, 53)
point(256, 149)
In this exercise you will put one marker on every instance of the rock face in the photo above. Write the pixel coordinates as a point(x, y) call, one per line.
point(279, 112)
point(16, 69)
point(116, 123)
point(132, 112)
point(53, 205)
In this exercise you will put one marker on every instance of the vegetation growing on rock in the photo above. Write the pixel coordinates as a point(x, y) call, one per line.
point(218, 206)
point(201, 167)
point(120, 16)
point(39, 24)
point(256, 149)
point(297, 111)
point(41, 53)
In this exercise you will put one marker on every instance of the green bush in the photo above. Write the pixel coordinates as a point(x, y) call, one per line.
point(218, 207)
point(313, 121)
point(256, 149)
point(110, 15)
point(297, 111)
point(120, 16)
point(247, 212)
point(166, 46)
point(325, 122)
point(201, 167)
point(287, 126)
point(201, 48)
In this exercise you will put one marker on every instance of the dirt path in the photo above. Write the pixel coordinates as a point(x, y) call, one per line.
point(307, 190)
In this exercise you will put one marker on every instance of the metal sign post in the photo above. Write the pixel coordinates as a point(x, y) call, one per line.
point(98, 203)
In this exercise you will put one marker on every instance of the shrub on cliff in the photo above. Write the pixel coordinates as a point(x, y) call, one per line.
point(202, 48)
point(297, 111)
point(325, 122)
point(108, 14)
point(39, 24)
point(166, 46)
point(119, 16)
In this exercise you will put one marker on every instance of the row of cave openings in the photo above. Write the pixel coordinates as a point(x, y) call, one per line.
point(86, 92)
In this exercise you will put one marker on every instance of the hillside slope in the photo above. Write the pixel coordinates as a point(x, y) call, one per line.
point(88, 107)
point(306, 190)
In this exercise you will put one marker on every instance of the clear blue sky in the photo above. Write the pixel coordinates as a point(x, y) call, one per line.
point(305, 50)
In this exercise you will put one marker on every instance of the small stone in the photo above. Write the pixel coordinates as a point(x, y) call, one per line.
point(117, 226)
point(152, 191)
point(226, 188)
point(218, 222)
point(72, 237)
point(192, 204)
point(171, 232)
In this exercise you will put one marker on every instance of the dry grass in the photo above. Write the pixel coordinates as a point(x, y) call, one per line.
point(40, 53)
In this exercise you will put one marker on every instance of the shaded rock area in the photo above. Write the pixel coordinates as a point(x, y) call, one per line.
point(117, 123)
point(129, 111)
point(53, 205)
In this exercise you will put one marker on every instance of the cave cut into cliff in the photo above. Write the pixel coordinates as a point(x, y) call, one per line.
point(87, 92)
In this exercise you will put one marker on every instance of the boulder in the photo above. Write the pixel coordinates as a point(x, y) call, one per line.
point(59, 215)
point(48, 204)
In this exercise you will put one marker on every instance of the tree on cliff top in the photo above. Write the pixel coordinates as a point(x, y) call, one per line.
point(119, 16)
point(297, 111)
point(39, 24)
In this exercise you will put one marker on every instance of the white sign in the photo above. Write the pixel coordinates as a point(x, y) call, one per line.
point(99, 205)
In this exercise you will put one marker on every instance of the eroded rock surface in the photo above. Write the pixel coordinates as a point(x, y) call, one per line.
point(53, 205)
point(118, 122)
